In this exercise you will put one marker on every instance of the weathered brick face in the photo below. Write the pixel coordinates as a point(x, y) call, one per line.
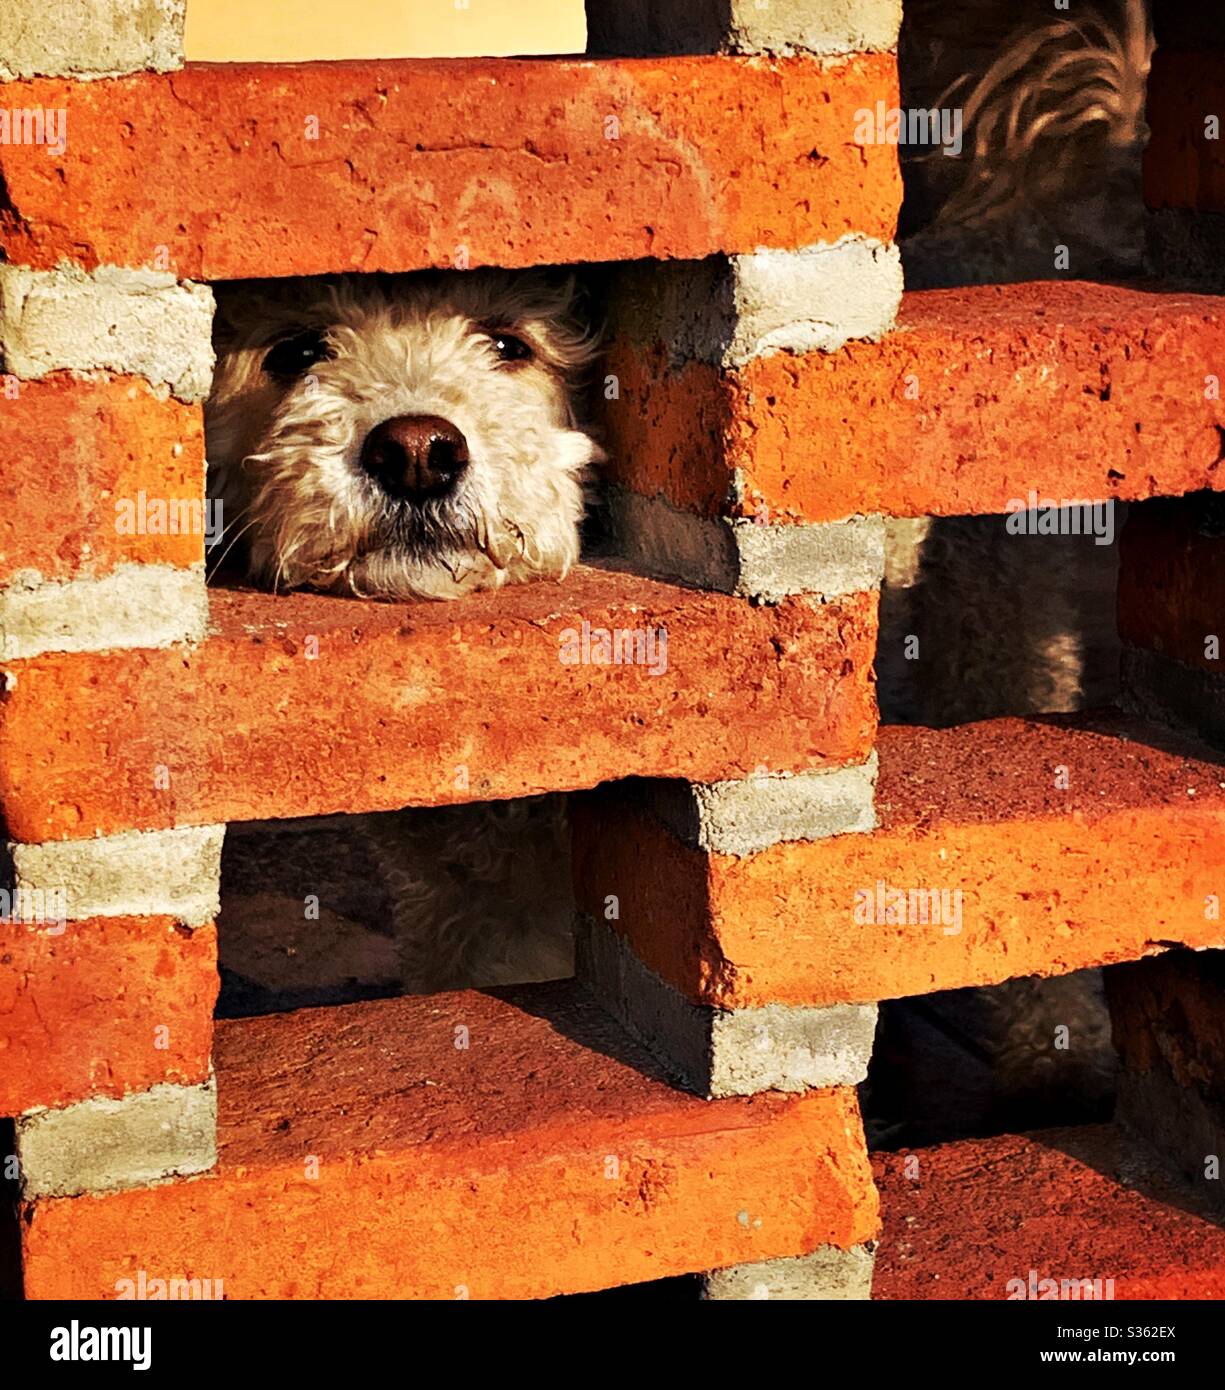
point(1074, 390)
point(549, 1153)
point(76, 454)
point(400, 166)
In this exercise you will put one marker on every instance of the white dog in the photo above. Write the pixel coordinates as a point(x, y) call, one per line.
point(394, 438)
point(400, 437)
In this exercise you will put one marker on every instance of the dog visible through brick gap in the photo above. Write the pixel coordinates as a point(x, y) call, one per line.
point(408, 437)
point(417, 438)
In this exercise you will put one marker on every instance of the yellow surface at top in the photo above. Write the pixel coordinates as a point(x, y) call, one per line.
point(301, 30)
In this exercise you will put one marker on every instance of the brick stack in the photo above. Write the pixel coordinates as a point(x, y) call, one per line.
point(762, 419)
point(550, 1153)
point(108, 944)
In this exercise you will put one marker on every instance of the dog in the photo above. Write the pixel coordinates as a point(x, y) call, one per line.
point(400, 437)
point(1053, 100)
point(395, 438)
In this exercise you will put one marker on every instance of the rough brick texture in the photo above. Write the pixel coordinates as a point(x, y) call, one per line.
point(1183, 167)
point(973, 809)
point(110, 440)
point(470, 700)
point(1074, 390)
point(544, 1156)
point(986, 1211)
point(711, 154)
point(82, 1009)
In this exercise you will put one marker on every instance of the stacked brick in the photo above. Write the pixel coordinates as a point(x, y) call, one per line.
point(762, 417)
point(108, 944)
point(137, 719)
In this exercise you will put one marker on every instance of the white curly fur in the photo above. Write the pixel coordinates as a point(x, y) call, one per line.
point(285, 456)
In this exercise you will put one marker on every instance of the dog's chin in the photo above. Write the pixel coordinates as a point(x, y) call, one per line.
point(396, 572)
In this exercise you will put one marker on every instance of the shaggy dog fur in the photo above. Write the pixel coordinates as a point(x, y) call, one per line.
point(309, 375)
point(308, 369)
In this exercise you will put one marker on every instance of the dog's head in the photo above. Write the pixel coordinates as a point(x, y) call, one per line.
point(400, 436)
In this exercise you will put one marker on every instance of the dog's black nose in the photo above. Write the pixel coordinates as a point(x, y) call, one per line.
point(415, 456)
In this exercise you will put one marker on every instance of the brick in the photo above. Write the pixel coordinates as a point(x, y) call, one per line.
point(742, 26)
point(1061, 1204)
point(101, 1145)
point(971, 810)
point(172, 872)
point(1184, 164)
point(752, 561)
point(82, 1008)
point(1070, 389)
point(132, 322)
point(111, 440)
point(730, 310)
point(713, 154)
point(470, 701)
point(1168, 1024)
point(544, 1156)
point(60, 37)
point(724, 1052)
point(1172, 580)
point(747, 816)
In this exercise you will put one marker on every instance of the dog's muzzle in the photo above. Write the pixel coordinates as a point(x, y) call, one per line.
point(415, 457)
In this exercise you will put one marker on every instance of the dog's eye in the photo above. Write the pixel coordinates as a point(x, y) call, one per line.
point(508, 347)
point(292, 356)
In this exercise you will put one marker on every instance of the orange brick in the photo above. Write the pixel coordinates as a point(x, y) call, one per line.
point(509, 1145)
point(983, 1212)
point(1072, 390)
point(427, 703)
point(72, 449)
point(706, 154)
point(81, 1010)
point(1183, 168)
point(972, 809)
point(1172, 585)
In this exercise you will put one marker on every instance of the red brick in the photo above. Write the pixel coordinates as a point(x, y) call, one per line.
point(972, 809)
point(1182, 167)
point(510, 1145)
point(1059, 1202)
point(714, 154)
point(402, 695)
point(1073, 390)
point(81, 1010)
point(109, 440)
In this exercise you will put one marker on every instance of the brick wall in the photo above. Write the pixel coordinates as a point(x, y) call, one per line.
point(688, 1105)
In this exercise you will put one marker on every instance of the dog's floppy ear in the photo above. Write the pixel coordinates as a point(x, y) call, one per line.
point(252, 313)
point(552, 305)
